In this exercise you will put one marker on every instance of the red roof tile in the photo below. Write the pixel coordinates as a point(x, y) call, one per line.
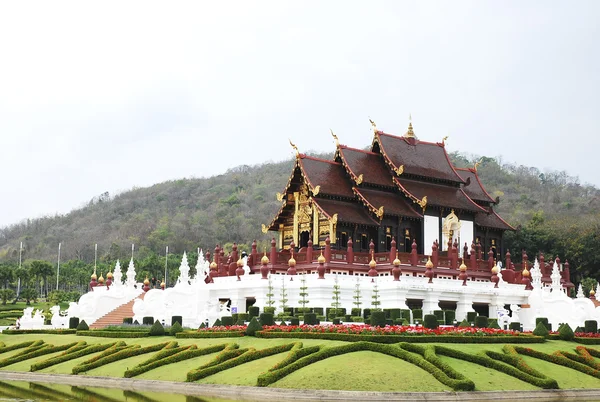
point(330, 176)
point(492, 220)
point(393, 203)
point(475, 189)
point(424, 159)
point(438, 194)
point(350, 212)
point(369, 164)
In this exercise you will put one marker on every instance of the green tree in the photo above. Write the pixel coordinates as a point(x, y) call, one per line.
point(29, 294)
point(336, 298)
point(6, 295)
point(42, 269)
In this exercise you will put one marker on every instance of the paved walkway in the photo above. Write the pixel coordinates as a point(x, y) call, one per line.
point(279, 394)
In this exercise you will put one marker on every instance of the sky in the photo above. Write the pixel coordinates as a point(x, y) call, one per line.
point(106, 96)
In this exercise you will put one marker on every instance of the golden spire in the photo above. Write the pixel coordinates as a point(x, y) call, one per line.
point(292, 261)
point(410, 133)
point(396, 261)
point(264, 260)
point(295, 148)
point(321, 258)
point(101, 278)
point(372, 263)
point(373, 125)
point(463, 267)
point(525, 271)
point(429, 264)
point(335, 137)
point(146, 281)
point(240, 262)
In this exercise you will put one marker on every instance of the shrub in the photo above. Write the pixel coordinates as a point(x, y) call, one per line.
point(591, 326)
point(254, 326)
point(481, 321)
point(366, 313)
point(395, 313)
point(295, 321)
point(579, 329)
point(202, 325)
point(73, 322)
point(175, 328)
point(318, 310)
point(430, 321)
point(541, 330)
point(269, 310)
point(449, 315)
point(405, 314)
point(471, 316)
point(378, 319)
point(227, 321)
point(243, 317)
point(355, 312)
point(128, 320)
point(136, 322)
point(494, 323)
point(310, 319)
point(417, 314)
point(82, 326)
point(464, 323)
point(148, 320)
point(439, 314)
point(336, 321)
point(357, 319)
point(157, 329)
point(253, 311)
point(235, 317)
point(566, 333)
point(176, 318)
point(217, 323)
point(515, 326)
point(266, 319)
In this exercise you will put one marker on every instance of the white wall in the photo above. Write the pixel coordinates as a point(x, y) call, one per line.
point(432, 229)
point(466, 235)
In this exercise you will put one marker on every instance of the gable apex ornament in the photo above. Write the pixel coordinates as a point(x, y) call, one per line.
point(335, 137)
point(444, 140)
point(264, 228)
point(373, 125)
point(295, 148)
point(410, 133)
point(477, 164)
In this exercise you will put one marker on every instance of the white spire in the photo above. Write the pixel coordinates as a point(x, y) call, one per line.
point(184, 270)
point(130, 281)
point(580, 294)
point(117, 274)
point(536, 275)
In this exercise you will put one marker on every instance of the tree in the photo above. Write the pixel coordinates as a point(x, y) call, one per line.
point(270, 293)
point(6, 274)
point(42, 269)
point(303, 293)
point(375, 298)
point(29, 294)
point(357, 297)
point(283, 293)
point(336, 297)
point(6, 295)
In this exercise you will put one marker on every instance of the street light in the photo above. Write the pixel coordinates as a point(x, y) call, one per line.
point(455, 322)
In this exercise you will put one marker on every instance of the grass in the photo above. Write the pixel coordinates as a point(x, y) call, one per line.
point(364, 370)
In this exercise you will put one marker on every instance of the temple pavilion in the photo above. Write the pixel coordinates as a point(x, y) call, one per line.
point(402, 190)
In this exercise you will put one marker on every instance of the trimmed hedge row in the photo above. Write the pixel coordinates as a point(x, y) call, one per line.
point(113, 334)
point(587, 341)
point(16, 346)
point(120, 345)
point(28, 353)
point(209, 334)
point(583, 357)
point(270, 377)
point(74, 354)
point(125, 353)
point(39, 331)
point(297, 352)
point(180, 354)
point(247, 356)
point(402, 338)
point(559, 359)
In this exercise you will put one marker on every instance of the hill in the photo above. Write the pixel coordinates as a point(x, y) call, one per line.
point(189, 213)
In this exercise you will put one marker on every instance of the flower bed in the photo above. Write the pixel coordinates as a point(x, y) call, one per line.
point(391, 330)
point(217, 331)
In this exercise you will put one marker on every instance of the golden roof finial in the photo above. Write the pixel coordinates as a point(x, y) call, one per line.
point(295, 148)
point(373, 125)
point(410, 133)
point(335, 137)
point(444, 140)
point(477, 164)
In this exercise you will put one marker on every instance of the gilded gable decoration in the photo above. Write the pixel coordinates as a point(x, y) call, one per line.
point(399, 170)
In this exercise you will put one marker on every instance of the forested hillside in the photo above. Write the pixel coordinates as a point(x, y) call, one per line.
point(555, 213)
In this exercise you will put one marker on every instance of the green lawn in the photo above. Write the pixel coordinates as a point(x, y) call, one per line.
point(362, 370)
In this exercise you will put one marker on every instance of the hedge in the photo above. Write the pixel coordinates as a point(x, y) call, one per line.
point(471, 316)
point(82, 326)
point(175, 329)
point(515, 326)
point(266, 319)
point(74, 354)
point(403, 338)
point(541, 329)
point(481, 321)
point(73, 322)
point(125, 353)
point(227, 321)
point(176, 318)
point(245, 357)
point(310, 319)
point(270, 377)
point(174, 356)
point(587, 341)
point(253, 311)
point(128, 320)
point(148, 320)
point(34, 351)
point(566, 333)
point(297, 352)
point(157, 329)
point(113, 334)
point(544, 321)
point(450, 316)
point(417, 314)
point(430, 321)
point(15, 346)
point(378, 319)
point(558, 358)
point(39, 331)
point(209, 334)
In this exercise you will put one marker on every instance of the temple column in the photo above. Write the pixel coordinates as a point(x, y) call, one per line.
point(464, 306)
point(315, 235)
point(431, 302)
point(296, 207)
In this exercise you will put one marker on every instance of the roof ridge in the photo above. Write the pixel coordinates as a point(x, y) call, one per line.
point(359, 150)
point(304, 156)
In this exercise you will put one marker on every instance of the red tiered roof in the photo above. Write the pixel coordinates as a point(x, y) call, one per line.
point(492, 220)
point(475, 189)
point(420, 158)
point(330, 176)
point(438, 195)
point(393, 203)
point(369, 164)
point(346, 211)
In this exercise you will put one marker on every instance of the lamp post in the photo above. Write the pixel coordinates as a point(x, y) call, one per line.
point(166, 264)
point(455, 322)
point(57, 266)
point(19, 281)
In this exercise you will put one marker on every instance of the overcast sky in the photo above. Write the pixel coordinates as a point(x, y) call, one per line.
point(106, 96)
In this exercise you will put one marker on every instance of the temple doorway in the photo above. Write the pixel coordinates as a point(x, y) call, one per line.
point(304, 237)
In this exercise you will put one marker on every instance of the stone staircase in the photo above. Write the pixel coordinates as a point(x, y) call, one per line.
point(115, 317)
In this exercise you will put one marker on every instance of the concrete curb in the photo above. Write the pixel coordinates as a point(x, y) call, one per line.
point(280, 394)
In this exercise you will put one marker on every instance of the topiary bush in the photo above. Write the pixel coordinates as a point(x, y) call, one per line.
point(227, 321)
point(591, 326)
point(136, 322)
point(481, 321)
point(175, 328)
point(439, 314)
point(148, 320)
point(464, 323)
point(217, 323)
point(357, 319)
point(269, 310)
point(494, 323)
point(565, 333)
point(266, 319)
point(541, 330)
point(253, 311)
point(515, 326)
point(176, 318)
point(157, 329)
point(128, 320)
point(73, 322)
point(202, 325)
point(336, 321)
point(310, 319)
point(254, 326)
point(471, 316)
point(417, 314)
point(378, 319)
point(294, 321)
point(430, 321)
point(579, 329)
point(355, 312)
point(82, 326)
point(366, 313)
point(449, 315)
point(395, 313)
point(318, 310)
